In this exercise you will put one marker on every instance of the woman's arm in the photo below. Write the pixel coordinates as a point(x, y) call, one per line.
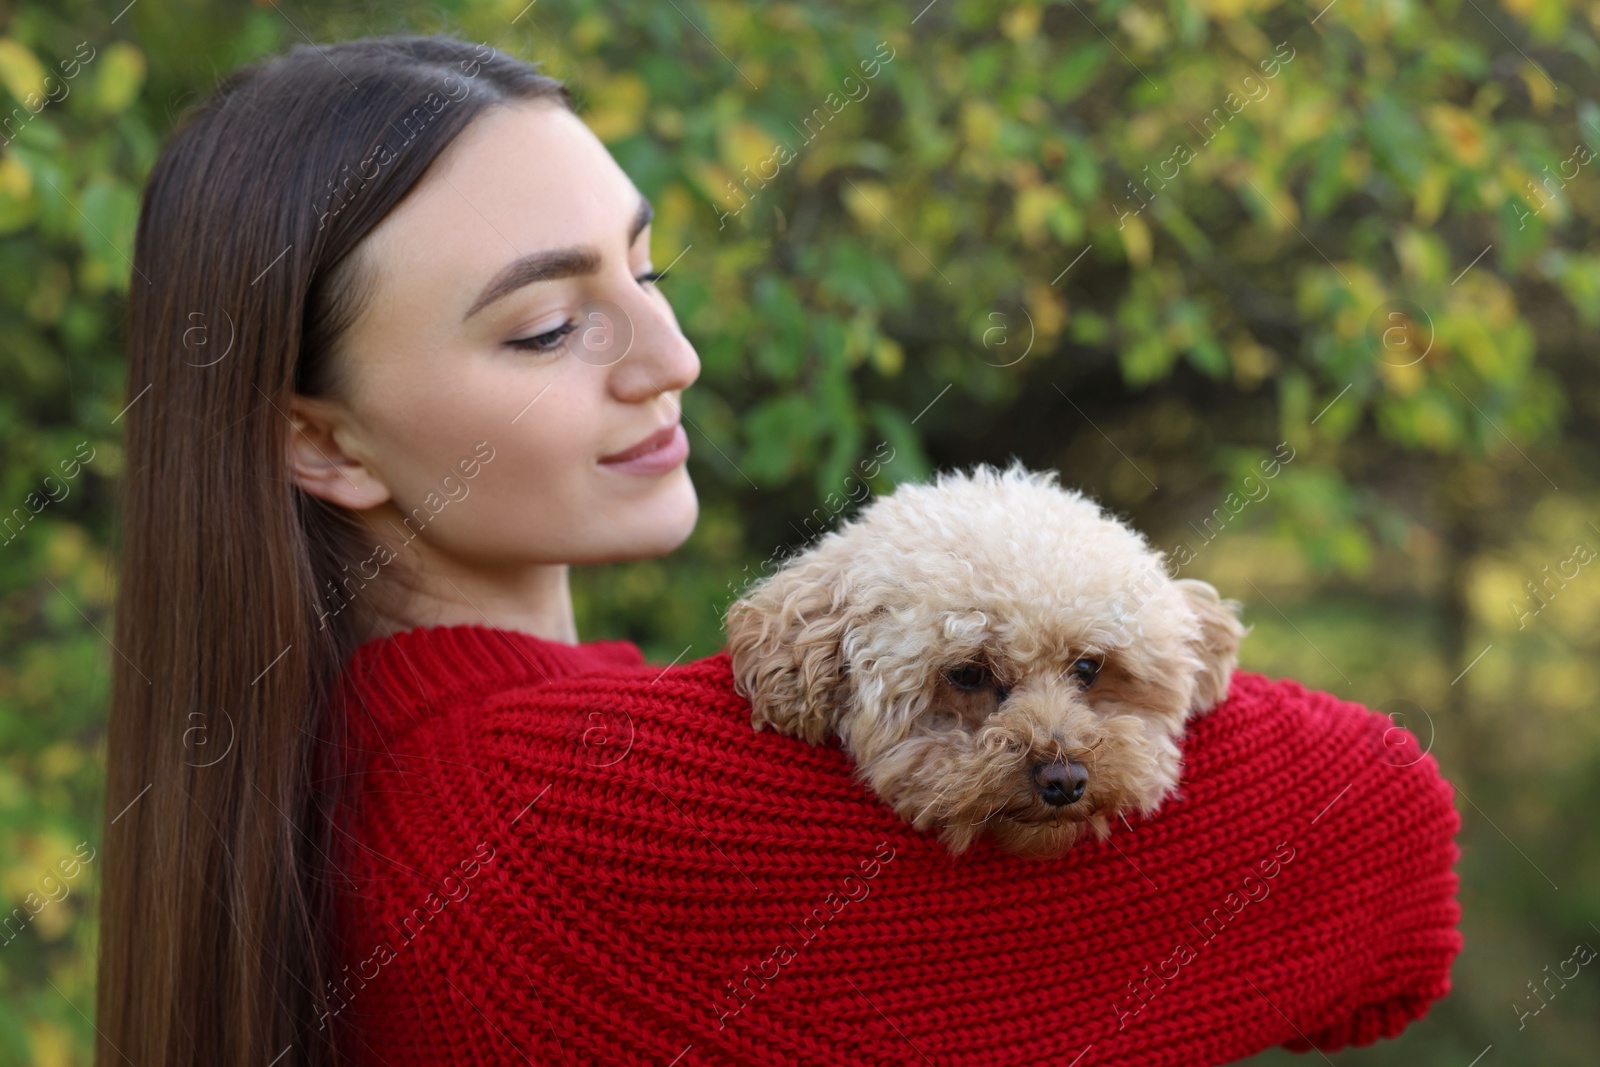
point(640, 877)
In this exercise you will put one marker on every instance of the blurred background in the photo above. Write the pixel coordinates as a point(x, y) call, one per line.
point(1148, 244)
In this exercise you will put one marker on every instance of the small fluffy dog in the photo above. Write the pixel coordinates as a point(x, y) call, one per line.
point(994, 652)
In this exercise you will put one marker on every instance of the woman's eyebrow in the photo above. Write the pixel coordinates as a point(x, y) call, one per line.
point(552, 264)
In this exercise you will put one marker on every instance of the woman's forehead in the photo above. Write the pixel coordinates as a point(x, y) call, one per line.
point(520, 179)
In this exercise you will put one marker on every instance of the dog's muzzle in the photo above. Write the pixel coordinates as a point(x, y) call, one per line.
point(1060, 784)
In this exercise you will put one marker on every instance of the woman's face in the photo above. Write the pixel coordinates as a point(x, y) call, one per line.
point(505, 347)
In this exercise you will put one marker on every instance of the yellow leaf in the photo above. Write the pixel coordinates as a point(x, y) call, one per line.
point(1475, 343)
point(790, 18)
point(668, 122)
point(1541, 197)
point(1148, 29)
point(1305, 121)
point(1252, 361)
point(1540, 90)
point(54, 920)
point(616, 106)
point(674, 215)
point(867, 202)
point(119, 76)
point(816, 158)
point(1049, 311)
point(1422, 255)
point(1402, 379)
point(746, 145)
point(980, 124)
point(888, 356)
point(51, 1045)
point(1226, 10)
point(715, 183)
point(20, 71)
point(66, 549)
point(1033, 207)
point(1283, 212)
point(94, 275)
point(18, 205)
point(15, 180)
point(1021, 22)
point(1244, 35)
point(1461, 131)
point(59, 760)
point(1430, 192)
point(1136, 240)
point(587, 32)
point(1148, 129)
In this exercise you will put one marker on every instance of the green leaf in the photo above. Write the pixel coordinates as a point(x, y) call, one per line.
point(1070, 77)
point(783, 351)
point(109, 214)
point(1147, 359)
point(780, 433)
point(903, 459)
point(1209, 358)
point(1327, 184)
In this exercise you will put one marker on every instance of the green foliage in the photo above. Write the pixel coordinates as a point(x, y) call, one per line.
point(1141, 242)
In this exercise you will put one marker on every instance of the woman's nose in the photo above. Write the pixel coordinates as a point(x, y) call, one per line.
point(641, 344)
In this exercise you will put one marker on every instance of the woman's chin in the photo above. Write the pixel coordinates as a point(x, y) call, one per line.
point(660, 522)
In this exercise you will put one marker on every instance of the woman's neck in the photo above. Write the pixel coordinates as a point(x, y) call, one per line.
point(429, 589)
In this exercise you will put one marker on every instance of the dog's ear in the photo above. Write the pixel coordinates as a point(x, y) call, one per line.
point(1217, 644)
point(785, 637)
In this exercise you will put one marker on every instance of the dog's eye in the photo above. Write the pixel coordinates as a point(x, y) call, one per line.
point(1086, 670)
point(969, 676)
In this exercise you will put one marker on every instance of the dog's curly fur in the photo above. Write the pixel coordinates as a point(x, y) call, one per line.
point(942, 635)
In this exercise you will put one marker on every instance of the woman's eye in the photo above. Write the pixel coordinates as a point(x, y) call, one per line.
point(550, 340)
point(544, 342)
point(969, 676)
point(1086, 670)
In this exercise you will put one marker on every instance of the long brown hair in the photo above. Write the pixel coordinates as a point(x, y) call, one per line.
point(216, 939)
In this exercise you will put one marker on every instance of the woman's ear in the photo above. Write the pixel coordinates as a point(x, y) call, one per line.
point(1217, 645)
point(785, 638)
point(319, 461)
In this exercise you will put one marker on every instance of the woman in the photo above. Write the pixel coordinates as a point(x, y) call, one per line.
point(398, 361)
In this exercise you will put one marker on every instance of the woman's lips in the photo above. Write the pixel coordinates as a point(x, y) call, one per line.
point(660, 452)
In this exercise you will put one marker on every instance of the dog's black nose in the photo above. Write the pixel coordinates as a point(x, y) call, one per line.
point(1060, 784)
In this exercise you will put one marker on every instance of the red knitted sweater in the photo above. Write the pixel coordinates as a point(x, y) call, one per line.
point(560, 854)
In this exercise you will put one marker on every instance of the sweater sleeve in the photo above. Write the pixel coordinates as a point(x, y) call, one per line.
point(615, 868)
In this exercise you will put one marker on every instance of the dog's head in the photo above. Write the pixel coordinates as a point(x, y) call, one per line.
point(995, 653)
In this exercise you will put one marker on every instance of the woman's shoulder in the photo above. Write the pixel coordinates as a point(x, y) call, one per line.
point(396, 684)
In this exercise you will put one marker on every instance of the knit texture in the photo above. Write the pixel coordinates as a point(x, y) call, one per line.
point(559, 854)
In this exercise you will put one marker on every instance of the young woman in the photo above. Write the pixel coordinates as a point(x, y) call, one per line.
point(397, 361)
